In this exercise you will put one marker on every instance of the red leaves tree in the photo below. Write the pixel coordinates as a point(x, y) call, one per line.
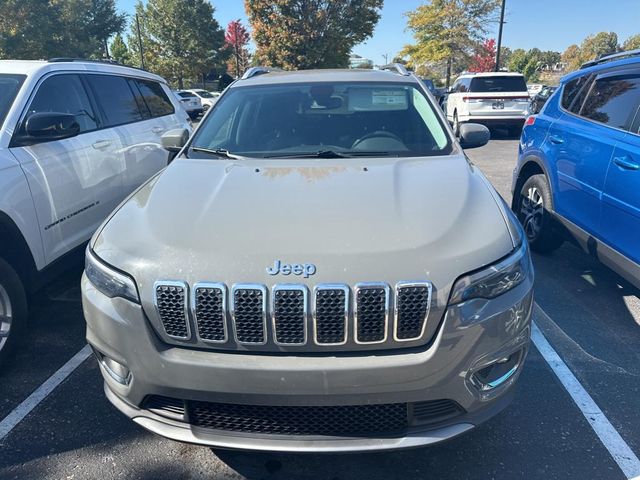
point(236, 40)
point(485, 58)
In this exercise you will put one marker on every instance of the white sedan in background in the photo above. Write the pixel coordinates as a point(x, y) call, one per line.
point(206, 98)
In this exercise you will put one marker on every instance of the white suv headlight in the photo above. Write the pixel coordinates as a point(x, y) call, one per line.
point(108, 280)
point(495, 279)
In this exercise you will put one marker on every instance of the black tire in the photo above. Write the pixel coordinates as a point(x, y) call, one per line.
point(13, 310)
point(456, 125)
point(533, 209)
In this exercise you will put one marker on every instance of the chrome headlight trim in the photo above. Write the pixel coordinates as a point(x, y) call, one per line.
point(108, 280)
point(494, 280)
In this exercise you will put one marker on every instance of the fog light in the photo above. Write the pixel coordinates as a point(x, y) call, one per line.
point(498, 372)
point(116, 370)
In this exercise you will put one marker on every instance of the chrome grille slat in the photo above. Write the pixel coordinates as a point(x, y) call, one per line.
point(289, 314)
point(170, 299)
point(209, 307)
point(249, 313)
point(331, 314)
point(412, 305)
point(371, 312)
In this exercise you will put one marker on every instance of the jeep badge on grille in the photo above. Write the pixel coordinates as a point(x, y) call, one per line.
point(304, 269)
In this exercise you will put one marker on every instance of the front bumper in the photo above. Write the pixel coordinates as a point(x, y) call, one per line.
point(472, 335)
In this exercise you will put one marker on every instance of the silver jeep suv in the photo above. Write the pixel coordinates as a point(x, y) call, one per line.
point(321, 268)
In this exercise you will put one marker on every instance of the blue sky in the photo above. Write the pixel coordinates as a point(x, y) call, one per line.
point(546, 24)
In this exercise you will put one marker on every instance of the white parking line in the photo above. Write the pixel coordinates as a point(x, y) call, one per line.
point(9, 422)
point(608, 435)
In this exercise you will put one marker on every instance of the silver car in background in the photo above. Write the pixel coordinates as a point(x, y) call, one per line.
point(321, 268)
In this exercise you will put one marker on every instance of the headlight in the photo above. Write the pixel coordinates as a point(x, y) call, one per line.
point(494, 280)
point(108, 280)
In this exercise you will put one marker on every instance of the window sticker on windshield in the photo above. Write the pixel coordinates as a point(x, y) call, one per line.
point(377, 99)
point(389, 97)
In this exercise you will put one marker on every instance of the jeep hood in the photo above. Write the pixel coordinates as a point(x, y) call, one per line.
point(356, 220)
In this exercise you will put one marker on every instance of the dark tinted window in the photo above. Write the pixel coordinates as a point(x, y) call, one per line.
point(9, 86)
point(186, 94)
point(116, 99)
point(574, 92)
point(65, 94)
point(142, 106)
point(155, 98)
point(507, 83)
point(613, 100)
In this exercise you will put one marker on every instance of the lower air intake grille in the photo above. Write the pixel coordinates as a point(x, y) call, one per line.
point(435, 411)
point(351, 420)
point(371, 314)
point(170, 300)
point(249, 312)
point(289, 315)
point(412, 306)
point(210, 313)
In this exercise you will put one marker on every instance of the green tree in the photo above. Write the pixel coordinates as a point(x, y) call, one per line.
point(180, 38)
point(36, 29)
point(572, 57)
point(297, 34)
point(448, 30)
point(120, 51)
point(600, 44)
point(505, 56)
point(632, 43)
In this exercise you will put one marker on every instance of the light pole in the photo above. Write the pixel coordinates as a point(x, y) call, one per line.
point(140, 42)
point(500, 36)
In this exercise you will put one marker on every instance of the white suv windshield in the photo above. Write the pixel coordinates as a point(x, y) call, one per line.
point(363, 118)
point(9, 86)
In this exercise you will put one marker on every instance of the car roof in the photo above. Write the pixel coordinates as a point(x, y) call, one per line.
point(40, 67)
point(276, 77)
point(630, 61)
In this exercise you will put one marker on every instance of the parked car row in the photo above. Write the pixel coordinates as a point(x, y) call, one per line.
point(75, 139)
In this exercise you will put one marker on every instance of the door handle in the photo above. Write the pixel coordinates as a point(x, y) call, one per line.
point(157, 129)
point(556, 139)
point(100, 144)
point(626, 163)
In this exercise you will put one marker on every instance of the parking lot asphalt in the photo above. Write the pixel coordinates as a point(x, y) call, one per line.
point(588, 314)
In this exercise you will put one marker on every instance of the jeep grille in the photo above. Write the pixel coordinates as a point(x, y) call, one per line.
point(250, 318)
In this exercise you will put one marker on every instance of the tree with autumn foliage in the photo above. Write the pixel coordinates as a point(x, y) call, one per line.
point(298, 34)
point(448, 30)
point(485, 58)
point(236, 40)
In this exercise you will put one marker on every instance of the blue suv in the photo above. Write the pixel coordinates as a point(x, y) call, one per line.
point(578, 169)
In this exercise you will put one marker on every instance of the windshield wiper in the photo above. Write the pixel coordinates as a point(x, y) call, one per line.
point(329, 154)
point(220, 152)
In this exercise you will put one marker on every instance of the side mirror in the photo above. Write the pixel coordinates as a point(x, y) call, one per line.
point(473, 135)
point(174, 140)
point(46, 126)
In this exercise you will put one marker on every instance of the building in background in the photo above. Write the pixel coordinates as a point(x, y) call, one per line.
point(356, 61)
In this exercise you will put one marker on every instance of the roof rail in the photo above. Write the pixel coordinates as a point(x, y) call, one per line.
point(254, 71)
point(611, 57)
point(107, 61)
point(396, 67)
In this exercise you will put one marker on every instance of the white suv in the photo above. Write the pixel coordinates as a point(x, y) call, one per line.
point(76, 137)
point(489, 98)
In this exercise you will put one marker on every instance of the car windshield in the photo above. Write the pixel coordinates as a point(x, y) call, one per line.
point(203, 94)
point(9, 86)
point(507, 83)
point(186, 94)
point(328, 119)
